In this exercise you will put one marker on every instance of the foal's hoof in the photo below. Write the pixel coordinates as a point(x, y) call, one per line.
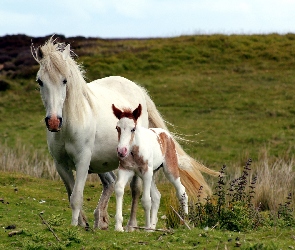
point(149, 230)
point(119, 229)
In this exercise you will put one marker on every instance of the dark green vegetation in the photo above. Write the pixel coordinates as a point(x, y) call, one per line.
point(23, 200)
point(233, 94)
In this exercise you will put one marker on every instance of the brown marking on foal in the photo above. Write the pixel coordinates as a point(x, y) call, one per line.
point(119, 132)
point(132, 136)
point(134, 161)
point(169, 152)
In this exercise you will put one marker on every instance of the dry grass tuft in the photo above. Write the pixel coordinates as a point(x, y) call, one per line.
point(24, 159)
point(275, 179)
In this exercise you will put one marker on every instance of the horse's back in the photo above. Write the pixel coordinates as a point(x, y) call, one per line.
point(115, 84)
point(121, 92)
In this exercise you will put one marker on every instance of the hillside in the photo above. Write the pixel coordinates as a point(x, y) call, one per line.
point(234, 95)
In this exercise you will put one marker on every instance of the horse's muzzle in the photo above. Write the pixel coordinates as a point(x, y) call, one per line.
point(53, 123)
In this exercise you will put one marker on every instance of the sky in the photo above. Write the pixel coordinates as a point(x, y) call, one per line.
point(145, 18)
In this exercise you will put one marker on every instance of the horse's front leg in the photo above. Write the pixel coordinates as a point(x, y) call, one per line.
point(76, 200)
point(135, 186)
point(123, 177)
point(67, 177)
point(100, 213)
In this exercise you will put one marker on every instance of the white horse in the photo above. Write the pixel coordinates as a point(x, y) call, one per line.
point(142, 151)
point(81, 134)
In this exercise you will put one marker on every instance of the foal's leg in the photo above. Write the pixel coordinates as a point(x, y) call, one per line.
point(172, 174)
point(100, 213)
point(123, 177)
point(146, 196)
point(156, 197)
point(67, 177)
point(135, 191)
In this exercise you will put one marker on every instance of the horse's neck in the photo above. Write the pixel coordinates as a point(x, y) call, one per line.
point(79, 101)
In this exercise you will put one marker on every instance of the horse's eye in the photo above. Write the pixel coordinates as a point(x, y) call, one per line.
point(64, 81)
point(40, 82)
point(117, 128)
point(133, 130)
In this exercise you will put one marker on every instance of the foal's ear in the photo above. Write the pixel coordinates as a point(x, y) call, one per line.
point(137, 112)
point(67, 52)
point(117, 112)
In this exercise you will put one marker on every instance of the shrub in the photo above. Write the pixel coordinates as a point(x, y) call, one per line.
point(232, 206)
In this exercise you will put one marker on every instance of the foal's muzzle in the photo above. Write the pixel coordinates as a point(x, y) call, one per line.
point(53, 123)
point(122, 152)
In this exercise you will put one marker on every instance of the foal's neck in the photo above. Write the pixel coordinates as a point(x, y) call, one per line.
point(139, 136)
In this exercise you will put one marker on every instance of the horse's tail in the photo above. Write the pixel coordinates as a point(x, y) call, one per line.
point(190, 170)
point(191, 176)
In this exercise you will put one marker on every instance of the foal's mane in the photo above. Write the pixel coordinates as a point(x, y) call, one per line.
point(127, 113)
point(50, 58)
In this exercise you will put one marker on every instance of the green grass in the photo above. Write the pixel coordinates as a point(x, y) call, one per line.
point(21, 207)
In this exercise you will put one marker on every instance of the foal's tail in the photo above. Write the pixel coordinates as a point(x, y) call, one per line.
point(189, 169)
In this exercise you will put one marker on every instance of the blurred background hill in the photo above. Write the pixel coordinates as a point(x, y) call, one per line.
point(232, 95)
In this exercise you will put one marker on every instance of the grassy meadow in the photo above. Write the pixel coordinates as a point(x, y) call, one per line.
point(26, 197)
point(232, 97)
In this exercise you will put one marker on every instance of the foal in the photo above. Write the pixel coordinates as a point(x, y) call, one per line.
point(142, 151)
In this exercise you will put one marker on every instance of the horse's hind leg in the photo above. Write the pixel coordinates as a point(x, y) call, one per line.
point(135, 191)
point(146, 196)
point(100, 213)
point(172, 173)
point(156, 197)
point(67, 177)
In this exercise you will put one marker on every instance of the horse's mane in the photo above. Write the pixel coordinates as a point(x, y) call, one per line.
point(50, 58)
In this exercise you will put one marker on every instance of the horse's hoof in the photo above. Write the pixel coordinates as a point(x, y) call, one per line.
point(149, 230)
point(130, 229)
point(131, 226)
point(103, 226)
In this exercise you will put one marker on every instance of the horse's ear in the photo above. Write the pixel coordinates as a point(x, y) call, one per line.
point(67, 52)
point(137, 112)
point(117, 112)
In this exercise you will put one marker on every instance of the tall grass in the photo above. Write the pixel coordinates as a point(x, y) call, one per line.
point(275, 175)
point(275, 179)
point(25, 159)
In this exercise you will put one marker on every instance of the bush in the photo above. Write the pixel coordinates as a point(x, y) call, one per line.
point(232, 207)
